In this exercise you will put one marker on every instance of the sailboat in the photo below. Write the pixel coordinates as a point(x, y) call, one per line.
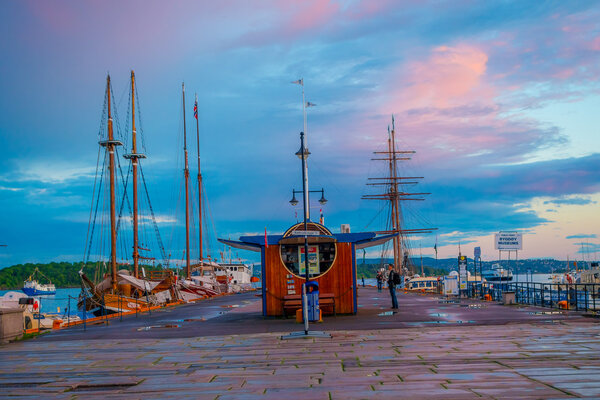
point(199, 281)
point(122, 290)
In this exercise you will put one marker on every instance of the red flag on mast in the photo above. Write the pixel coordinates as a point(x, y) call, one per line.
point(196, 110)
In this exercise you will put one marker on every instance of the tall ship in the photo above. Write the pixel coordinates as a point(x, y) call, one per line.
point(204, 276)
point(396, 190)
point(122, 281)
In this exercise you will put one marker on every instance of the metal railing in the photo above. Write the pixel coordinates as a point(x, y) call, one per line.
point(572, 296)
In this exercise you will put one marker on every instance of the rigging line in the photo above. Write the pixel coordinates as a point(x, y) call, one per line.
point(139, 118)
point(158, 238)
point(212, 222)
point(381, 209)
point(126, 140)
point(87, 235)
point(116, 117)
point(103, 117)
point(91, 237)
point(126, 180)
point(177, 205)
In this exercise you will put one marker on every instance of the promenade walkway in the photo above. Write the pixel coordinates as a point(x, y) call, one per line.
point(224, 349)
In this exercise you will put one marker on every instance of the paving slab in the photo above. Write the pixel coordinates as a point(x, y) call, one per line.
point(502, 352)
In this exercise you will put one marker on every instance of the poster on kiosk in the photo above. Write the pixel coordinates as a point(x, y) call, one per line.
point(313, 260)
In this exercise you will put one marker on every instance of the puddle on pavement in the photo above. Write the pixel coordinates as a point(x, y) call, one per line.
point(230, 305)
point(438, 315)
point(438, 322)
point(191, 320)
point(449, 301)
point(166, 326)
point(387, 313)
point(545, 312)
point(472, 305)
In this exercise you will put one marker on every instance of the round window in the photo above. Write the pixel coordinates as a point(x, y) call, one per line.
point(321, 250)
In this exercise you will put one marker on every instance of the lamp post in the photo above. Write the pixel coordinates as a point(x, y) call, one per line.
point(303, 154)
point(295, 201)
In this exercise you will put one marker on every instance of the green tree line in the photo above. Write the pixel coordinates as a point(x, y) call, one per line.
point(61, 274)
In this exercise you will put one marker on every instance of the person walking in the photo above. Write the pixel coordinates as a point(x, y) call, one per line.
point(379, 278)
point(393, 278)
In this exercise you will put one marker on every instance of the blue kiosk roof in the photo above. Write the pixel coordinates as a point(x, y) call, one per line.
point(360, 239)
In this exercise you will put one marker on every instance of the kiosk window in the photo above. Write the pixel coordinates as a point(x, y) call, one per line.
point(320, 258)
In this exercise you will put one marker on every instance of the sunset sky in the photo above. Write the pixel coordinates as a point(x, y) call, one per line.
point(499, 99)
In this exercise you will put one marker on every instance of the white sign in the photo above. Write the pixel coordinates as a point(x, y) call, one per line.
point(306, 233)
point(508, 241)
point(451, 285)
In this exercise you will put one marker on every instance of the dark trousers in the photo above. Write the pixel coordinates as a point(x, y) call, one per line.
point(379, 285)
point(393, 294)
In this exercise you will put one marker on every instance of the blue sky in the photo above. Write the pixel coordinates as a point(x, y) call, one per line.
point(499, 99)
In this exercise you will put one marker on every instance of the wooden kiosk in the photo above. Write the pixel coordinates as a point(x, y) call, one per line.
point(331, 263)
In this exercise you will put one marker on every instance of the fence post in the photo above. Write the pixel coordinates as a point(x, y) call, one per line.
point(69, 310)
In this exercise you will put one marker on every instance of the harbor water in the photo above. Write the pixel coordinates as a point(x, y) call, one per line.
point(57, 303)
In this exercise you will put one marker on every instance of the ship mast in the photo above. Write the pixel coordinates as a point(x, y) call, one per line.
point(393, 205)
point(110, 145)
point(199, 182)
point(134, 156)
point(186, 175)
point(394, 195)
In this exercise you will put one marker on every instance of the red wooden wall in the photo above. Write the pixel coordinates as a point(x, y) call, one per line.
point(339, 280)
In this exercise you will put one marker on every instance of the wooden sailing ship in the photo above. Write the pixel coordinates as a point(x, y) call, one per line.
point(122, 290)
point(200, 280)
point(396, 192)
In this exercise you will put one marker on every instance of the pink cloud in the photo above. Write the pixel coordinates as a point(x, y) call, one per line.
point(306, 15)
point(450, 76)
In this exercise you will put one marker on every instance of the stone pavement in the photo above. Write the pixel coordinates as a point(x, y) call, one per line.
point(550, 356)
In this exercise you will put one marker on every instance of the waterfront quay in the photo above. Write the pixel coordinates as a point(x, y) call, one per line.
point(224, 349)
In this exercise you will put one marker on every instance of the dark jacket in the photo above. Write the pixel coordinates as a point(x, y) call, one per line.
point(390, 280)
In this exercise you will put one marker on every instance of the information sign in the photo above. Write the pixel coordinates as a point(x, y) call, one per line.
point(306, 233)
point(508, 241)
point(462, 272)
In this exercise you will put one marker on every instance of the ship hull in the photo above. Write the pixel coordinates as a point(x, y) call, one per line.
point(37, 292)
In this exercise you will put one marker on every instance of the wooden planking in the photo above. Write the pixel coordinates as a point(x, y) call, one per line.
point(338, 280)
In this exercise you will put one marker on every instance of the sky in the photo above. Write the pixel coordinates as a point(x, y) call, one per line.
point(499, 99)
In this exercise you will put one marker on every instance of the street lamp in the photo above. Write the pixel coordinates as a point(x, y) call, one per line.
point(295, 201)
point(303, 154)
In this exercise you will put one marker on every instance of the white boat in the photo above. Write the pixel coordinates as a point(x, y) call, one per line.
point(32, 287)
point(237, 277)
point(497, 274)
